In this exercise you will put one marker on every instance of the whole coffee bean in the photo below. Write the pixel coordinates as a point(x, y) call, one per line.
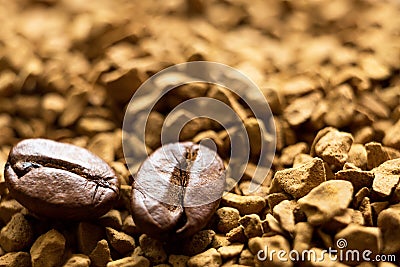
point(60, 181)
point(177, 189)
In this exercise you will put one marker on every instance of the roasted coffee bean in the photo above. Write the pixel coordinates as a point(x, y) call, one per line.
point(60, 181)
point(177, 190)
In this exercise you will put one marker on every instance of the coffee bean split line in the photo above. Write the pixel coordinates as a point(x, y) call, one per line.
point(22, 168)
point(170, 213)
point(103, 183)
point(35, 162)
point(182, 170)
point(55, 190)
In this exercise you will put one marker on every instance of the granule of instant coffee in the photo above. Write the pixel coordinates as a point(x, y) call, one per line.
point(326, 200)
point(16, 259)
point(245, 204)
point(8, 208)
point(299, 181)
point(101, 254)
point(366, 211)
point(357, 177)
point(120, 241)
point(209, 257)
point(276, 242)
point(152, 249)
point(198, 242)
point(80, 260)
point(361, 238)
point(48, 249)
point(88, 234)
point(228, 218)
point(284, 213)
point(178, 260)
point(17, 234)
point(230, 251)
point(289, 153)
point(388, 221)
point(303, 233)
point(333, 146)
point(376, 155)
point(252, 225)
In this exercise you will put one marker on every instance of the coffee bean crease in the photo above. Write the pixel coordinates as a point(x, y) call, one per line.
point(169, 182)
point(60, 180)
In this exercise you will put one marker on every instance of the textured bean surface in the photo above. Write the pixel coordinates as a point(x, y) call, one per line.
point(59, 180)
point(177, 190)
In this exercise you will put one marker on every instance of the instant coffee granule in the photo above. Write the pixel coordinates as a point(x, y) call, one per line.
point(329, 71)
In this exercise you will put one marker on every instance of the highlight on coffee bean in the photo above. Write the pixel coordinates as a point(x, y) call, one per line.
point(60, 181)
point(176, 190)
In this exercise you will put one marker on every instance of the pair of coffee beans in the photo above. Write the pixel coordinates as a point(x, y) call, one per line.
point(175, 192)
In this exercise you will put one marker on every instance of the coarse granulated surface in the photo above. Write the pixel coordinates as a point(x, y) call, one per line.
point(328, 69)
